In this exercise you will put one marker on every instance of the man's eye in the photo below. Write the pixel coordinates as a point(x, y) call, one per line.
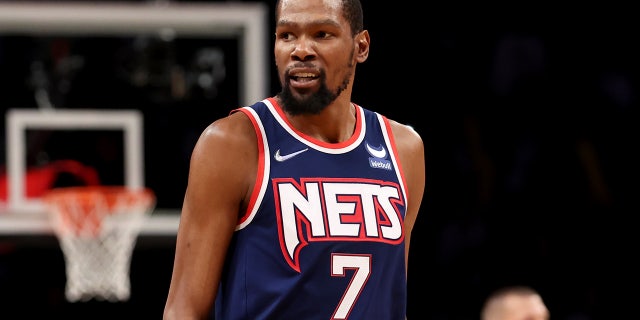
point(284, 36)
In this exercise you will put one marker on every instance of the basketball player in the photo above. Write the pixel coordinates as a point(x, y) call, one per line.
point(301, 205)
point(515, 303)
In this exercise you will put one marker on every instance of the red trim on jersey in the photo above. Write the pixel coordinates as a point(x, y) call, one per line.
point(392, 139)
point(343, 144)
point(260, 173)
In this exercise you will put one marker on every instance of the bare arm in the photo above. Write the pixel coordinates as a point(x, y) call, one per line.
point(411, 152)
point(222, 173)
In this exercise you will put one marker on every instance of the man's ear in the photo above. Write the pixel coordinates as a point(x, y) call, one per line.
point(362, 46)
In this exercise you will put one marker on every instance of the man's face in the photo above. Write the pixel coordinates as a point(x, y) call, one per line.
point(315, 53)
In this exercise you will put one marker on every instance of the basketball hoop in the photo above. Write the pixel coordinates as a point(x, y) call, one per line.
point(97, 227)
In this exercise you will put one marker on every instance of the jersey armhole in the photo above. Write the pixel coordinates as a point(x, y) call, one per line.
point(262, 173)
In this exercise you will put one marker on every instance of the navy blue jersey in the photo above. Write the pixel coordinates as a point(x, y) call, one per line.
point(323, 237)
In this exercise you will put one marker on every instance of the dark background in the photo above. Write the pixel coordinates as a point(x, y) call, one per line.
point(528, 115)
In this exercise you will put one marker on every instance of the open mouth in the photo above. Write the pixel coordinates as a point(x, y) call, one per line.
point(303, 77)
point(303, 80)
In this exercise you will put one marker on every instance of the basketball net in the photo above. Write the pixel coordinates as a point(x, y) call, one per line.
point(97, 228)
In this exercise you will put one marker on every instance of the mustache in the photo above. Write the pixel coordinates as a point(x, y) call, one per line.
point(302, 64)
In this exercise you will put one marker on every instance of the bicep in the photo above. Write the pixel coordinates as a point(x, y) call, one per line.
point(412, 157)
point(216, 188)
point(411, 153)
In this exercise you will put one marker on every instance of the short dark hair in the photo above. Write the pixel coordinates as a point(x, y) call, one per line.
point(351, 11)
point(517, 289)
point(495, 297)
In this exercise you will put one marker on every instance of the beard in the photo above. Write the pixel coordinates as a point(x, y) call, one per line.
point(312, 103)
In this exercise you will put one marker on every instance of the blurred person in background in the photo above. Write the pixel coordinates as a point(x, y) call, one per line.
point(515, 303)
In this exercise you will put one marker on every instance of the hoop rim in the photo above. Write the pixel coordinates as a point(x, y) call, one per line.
point(59, 191)
point(81, 210)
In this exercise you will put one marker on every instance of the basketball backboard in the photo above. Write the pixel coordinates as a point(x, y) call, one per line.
point(191, 37)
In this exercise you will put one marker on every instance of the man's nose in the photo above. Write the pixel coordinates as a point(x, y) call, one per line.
point(303, 50)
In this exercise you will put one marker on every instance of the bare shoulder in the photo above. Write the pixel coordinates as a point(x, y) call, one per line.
point(234, 130)
point(226, 151)
point(406, 137)
point(230, 136)
point(410, 149)
point(411, 153)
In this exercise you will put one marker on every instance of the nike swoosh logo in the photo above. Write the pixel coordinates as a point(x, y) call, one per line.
point(280, 158)
point(378, 153)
